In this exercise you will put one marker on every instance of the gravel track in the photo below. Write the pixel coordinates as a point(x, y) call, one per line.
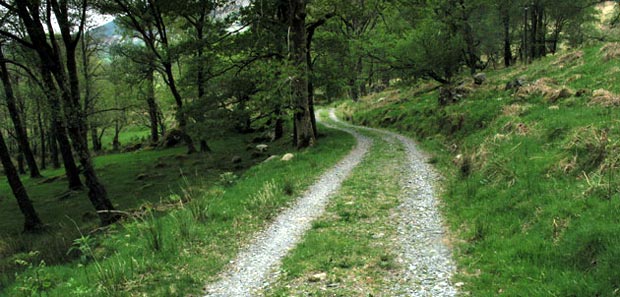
point(428, 261)
point(256, 265)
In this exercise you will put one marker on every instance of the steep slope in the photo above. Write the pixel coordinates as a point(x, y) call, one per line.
point(532, 192)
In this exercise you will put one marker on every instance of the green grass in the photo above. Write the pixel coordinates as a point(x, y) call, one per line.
point(129, 135)
point(532, 195)
point(351, 241)
point(172, 248)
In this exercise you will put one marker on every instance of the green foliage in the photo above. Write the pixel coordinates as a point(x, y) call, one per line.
point(228, 179)
point(431, 51)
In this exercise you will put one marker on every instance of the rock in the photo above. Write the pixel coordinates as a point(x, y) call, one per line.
point(256, 155)
point(262, 147)
point(449, 94)
point(562, 93)
point(236, 160)
point(265, 137)
point(515, 84)
point(172, 138)
point(317, 277)
point(480, 78)
point(271, 158)
point(287, 157)
point(131, 148)
point(142, 176)
point(582, 92)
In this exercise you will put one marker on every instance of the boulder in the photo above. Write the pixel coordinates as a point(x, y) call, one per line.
point(480, 78)
point(172, 138)
point(131, 148)
point(582, 92)
point(514, 84)
point(450, 94)
point(288, 157)
point(271, 158)
point(262, 147)
point(236, 160)
point(319, 277)
point(269, 136)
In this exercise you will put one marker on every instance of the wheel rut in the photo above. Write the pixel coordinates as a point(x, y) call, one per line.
point(256, 265)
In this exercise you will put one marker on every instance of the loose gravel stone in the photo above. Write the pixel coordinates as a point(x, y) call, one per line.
point(256, 265)
point(428, 261)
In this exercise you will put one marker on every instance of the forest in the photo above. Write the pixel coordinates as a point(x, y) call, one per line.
point(118, 112)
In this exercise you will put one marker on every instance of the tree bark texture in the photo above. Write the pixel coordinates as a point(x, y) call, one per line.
point(303, 119)
point(31, 219)
point(14, 113)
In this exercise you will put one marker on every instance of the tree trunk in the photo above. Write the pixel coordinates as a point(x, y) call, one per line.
point(20, 161)
point(14, 113)
point(279, 126)
point(360, 72)
point(116, 145)
point(302, 117)
point(31, 218)
point(53, 144)
point(506, 22)
point(152, 105)
point(60, 134)
point(42, 135)
point(94, 135)
point(70, 93)
point(181, 117)
point(204, 146)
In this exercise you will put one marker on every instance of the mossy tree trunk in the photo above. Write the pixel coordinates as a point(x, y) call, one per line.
point(304, 132)
point(20, 131)
point(31, 218)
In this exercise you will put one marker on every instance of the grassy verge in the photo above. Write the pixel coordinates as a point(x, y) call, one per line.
point(173, 248)
point(132, 180)
point(348, 251)
point(533, 194)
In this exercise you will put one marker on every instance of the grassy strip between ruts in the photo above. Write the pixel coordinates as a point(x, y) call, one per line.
point(349, 250)
point(532, 190)
point(174, 253)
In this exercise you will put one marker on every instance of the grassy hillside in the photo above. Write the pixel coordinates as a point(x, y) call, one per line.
point(531, 191)
point(189, 216)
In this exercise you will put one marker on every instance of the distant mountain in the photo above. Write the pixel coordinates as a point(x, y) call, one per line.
point(108, 33)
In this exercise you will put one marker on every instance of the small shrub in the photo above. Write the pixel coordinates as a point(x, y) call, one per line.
point(152, 230)
point(37, 279)
point(185, 224)
point(288, 187)
point(199, 208)
point(265, 199)
point(83, 245)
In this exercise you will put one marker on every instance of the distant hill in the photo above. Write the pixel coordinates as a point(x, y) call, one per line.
point(108, 33)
